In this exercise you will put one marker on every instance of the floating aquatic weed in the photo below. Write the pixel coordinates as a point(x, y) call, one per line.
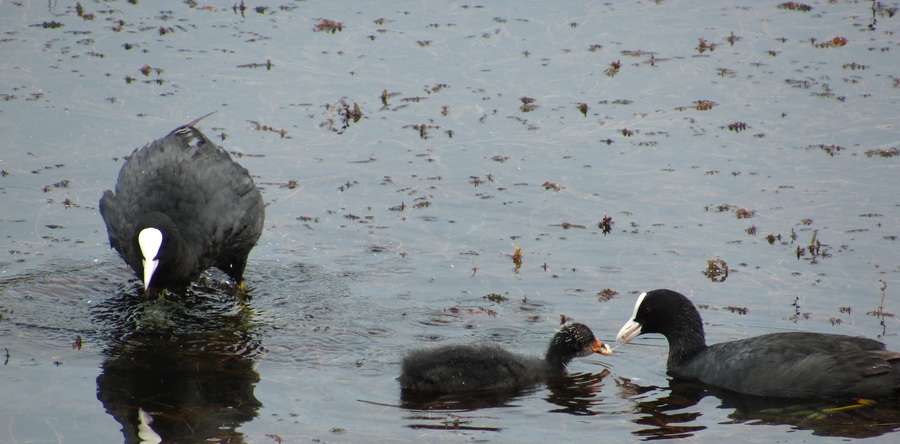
point(794, 6)
point(551, 186)
point(890, 152)
point(737, 126)
point(743, 213)
point(830, 149)
point(613, 68)
point(267, 128)
point(517, 257)
point(528, 105)
point(833, 43)
point(606, 294)
point(704, 46)
point(605, 225)
point(326, 25)
point(268, 65)
point(345, 113)
point(738, 310)
point(716, 270)
point(422, 129)
point(496, 297)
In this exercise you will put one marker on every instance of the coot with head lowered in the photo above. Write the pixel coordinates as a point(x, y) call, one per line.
point(181, 206)
point(461, 368)
point(785, 365)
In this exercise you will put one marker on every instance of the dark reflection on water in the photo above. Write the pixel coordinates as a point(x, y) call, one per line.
point(189, 364)
point(473, 400)
point(576, 394)
point(669, 416)
point(663, 415)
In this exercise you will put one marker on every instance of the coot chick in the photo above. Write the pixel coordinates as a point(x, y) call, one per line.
point(461, 368)
point(181, 206)
point(785, 365)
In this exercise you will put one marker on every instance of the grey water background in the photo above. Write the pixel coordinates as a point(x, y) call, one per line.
point(387, 235)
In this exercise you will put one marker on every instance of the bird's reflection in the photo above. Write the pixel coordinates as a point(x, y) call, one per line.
point(191, 370)
point(576, 394)
point(675, 414)
point(470, 400)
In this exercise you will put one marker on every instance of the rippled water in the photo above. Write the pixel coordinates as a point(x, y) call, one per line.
point(386, 234)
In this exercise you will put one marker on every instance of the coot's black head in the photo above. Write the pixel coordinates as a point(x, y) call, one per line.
point(666, 312)
point(571, 341)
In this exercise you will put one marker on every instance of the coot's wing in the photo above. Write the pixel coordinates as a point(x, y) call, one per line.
point(798, 365)
point(234, 213)
point(119, 228)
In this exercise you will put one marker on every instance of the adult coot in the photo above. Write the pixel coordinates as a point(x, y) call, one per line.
point(182, 206)
point(787, 365)
point(459, 368)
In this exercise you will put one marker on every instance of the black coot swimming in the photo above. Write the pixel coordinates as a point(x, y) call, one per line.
point(182, 206)
point(785, 365)
point(460, 368)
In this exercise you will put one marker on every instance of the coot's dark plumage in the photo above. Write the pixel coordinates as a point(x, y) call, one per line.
point(182, 206)
point(787, 365)
point(459, 368)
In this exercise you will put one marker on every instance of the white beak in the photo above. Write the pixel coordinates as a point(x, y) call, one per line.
point(149, 269)
point(628, 332)
point(150, 240)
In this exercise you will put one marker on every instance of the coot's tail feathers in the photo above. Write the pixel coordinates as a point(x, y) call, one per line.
point(185, 129)
point(188, 132)
point(868, 369)
point(881, 374)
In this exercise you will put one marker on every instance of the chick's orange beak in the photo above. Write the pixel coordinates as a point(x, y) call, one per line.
point(600, 347)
